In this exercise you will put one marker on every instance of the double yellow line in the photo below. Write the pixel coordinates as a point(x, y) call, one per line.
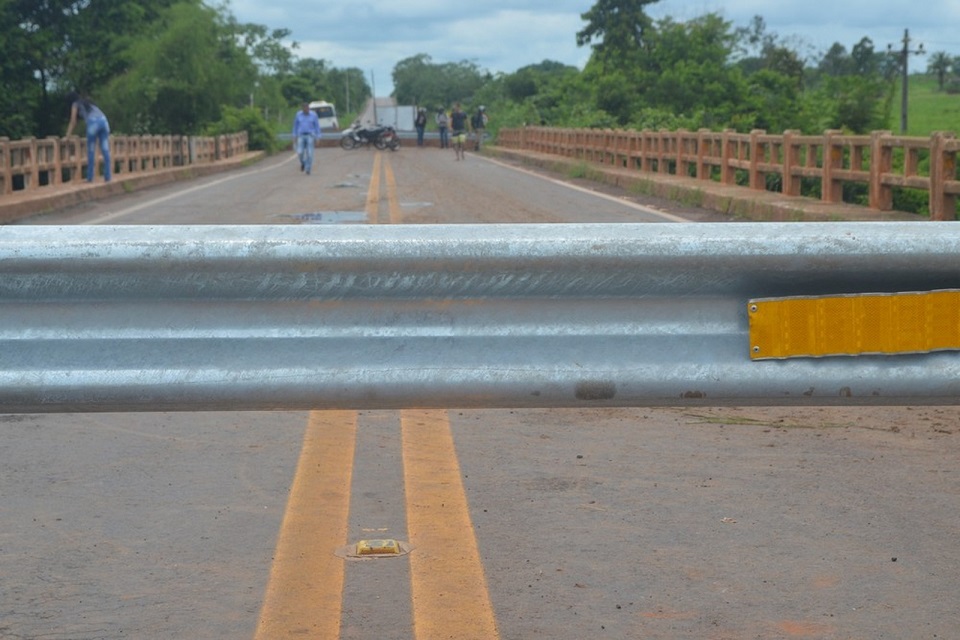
point(373, 191)
point(449, 594)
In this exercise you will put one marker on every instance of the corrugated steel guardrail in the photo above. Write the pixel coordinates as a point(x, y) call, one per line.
point(147, 318)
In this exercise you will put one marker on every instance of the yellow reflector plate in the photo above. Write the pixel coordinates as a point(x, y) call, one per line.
point(377, 547)
point(856, 324)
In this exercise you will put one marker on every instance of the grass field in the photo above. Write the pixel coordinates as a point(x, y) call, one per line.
point(928, 108)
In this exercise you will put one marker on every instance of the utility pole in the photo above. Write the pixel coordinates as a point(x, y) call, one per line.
point(373, 88)
point(904, 53)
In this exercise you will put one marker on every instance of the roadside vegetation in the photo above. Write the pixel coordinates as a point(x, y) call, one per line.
point(184, 66)
point(157, 67)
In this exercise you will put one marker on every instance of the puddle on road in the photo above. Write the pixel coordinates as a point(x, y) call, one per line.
point(329, 217)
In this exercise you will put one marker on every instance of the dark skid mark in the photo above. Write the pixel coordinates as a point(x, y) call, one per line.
point(595, 390)
point(330, 217)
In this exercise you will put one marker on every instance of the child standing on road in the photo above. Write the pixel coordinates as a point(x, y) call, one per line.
point(442, 122)
point(458, 124)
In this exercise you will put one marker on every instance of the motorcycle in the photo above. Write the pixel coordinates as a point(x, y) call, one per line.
point(390, 139)
point(381, 137)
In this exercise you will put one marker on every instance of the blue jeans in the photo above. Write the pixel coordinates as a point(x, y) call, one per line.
point(98, 134)
point(305, 150)
point(444, 138)
point(420, 131)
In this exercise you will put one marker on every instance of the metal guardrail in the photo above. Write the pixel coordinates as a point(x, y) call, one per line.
point(146, 318)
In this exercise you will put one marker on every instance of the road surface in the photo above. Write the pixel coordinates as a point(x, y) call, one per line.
point(560, 524)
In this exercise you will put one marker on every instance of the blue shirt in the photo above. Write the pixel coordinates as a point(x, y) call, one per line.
point(306, 123)
point(88, 111)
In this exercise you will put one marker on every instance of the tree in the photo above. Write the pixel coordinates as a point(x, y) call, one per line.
point(855, 103)
point(688, 68)
point(52, 46)
point(940, 64)
point(417, 80)
point(349, 89)
point(617, 31)
point(866, 61)
point(188, 68)
point(836, 62)
point(21, 94)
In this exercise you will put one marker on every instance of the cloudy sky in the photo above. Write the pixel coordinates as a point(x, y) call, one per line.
point(504, 35)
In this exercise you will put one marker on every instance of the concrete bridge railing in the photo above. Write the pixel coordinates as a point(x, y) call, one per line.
point(30, 164)
point(834, 159)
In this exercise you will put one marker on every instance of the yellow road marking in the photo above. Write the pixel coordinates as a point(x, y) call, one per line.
point(373, 191)
point(305, 591)
point(392, 201)
point(448, 586)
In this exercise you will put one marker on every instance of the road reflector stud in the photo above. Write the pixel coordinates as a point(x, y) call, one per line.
point(378, 547)
point(854, 324)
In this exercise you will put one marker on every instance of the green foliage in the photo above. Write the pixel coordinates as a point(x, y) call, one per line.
point(53, 46)
point(259, 134)
point(772, 102)
point(617, 31)
point(857, 104)
point(930, 109)
point(689, 68)
point(183, 74)
point(21, 93)
point(940, 64)
point(188, 66)
point(154, 66)
point(348, 89)
point(417, 80)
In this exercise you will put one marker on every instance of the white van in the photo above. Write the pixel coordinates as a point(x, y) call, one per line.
point(327, 114)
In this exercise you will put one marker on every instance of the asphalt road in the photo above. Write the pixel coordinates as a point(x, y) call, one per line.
point(561, 524)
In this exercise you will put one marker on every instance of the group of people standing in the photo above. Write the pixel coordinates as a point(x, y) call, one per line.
point(454, 127)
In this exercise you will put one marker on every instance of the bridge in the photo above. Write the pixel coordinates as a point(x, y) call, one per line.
point(674, 521)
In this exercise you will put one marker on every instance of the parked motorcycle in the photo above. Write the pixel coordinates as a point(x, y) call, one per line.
point(380, 137)
point(390, 139)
